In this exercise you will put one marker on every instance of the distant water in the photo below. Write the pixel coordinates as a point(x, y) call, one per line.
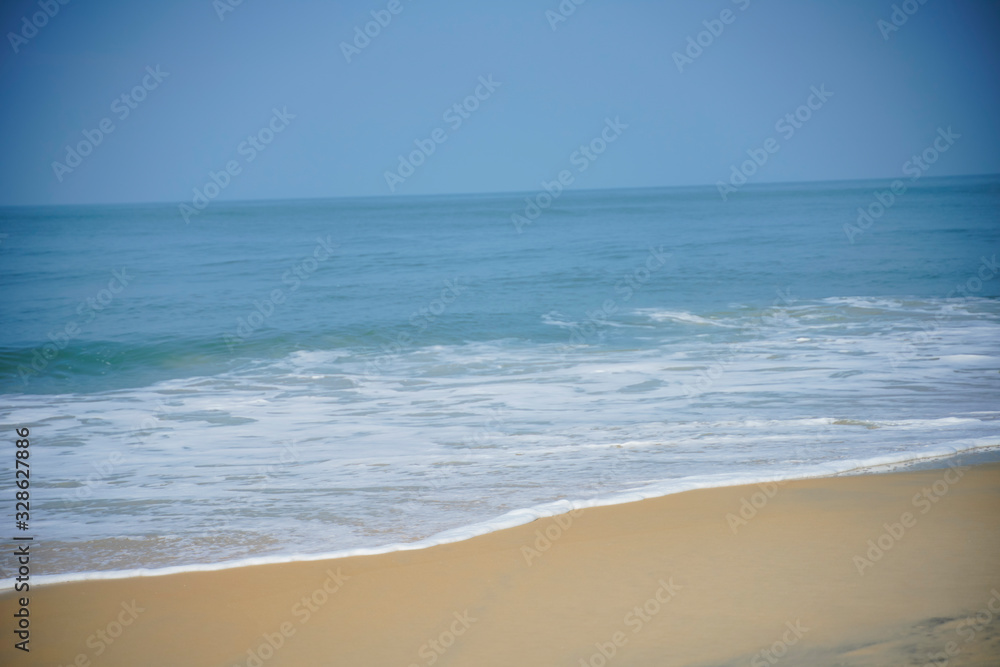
point(300, 378)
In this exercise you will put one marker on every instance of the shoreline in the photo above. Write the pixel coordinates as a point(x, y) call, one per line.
point(524, 516)
point(855, 570)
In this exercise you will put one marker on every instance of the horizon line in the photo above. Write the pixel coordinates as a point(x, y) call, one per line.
point(506, 192)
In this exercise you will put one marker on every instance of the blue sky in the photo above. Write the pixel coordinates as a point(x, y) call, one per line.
point(556, 87)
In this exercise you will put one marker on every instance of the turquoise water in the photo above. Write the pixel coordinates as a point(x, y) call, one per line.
point(307, 377)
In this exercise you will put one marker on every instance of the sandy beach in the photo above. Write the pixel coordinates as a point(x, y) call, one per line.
point(888, 569)
point(558, 334)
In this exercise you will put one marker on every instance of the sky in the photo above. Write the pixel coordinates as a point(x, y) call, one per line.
point(298, 105)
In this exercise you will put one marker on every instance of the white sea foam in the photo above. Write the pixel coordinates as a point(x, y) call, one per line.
point(527, 515)
point(679, 316)
point(313, 455)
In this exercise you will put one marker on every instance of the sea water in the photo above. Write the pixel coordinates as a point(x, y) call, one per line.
point(287, 380)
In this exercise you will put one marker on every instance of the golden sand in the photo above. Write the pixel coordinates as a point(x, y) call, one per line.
point(893, 569)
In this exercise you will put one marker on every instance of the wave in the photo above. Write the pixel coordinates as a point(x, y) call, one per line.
point(680, 316)
point(524, 516)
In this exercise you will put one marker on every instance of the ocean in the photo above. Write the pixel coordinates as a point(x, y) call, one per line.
point(296, 379)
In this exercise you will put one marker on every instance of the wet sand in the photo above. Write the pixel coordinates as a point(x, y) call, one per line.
point(890, 569)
